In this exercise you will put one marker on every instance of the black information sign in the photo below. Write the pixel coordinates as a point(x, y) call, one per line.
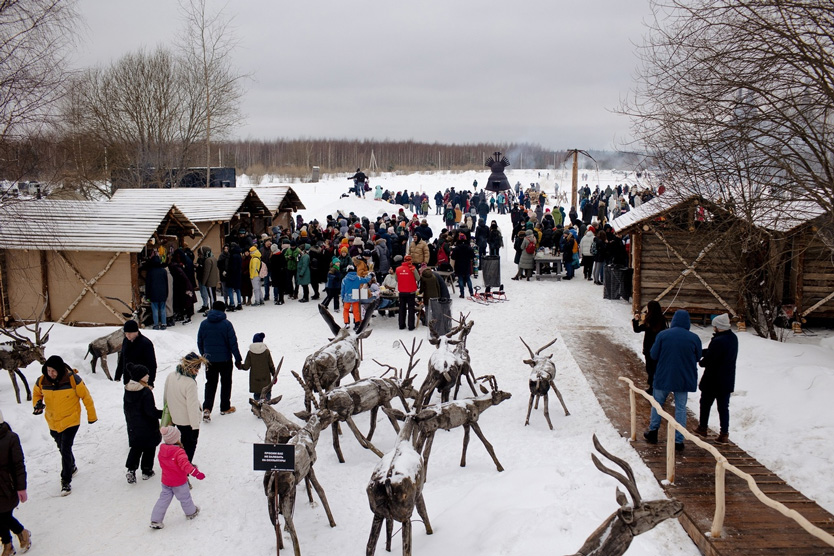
point(274, 457)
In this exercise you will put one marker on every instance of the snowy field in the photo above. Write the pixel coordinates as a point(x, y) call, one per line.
point(547, 501)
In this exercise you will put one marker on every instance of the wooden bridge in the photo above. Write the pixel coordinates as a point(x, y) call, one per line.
point(750, 527)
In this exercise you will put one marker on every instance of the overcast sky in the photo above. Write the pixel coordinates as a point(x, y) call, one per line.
point(540, 71)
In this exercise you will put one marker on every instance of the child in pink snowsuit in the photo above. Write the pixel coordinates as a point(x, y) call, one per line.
point(175, 470)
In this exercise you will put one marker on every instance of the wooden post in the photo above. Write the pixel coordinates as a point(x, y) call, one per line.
point(47, 312)
point(800, 283)
point(670, 451)
point(632, 398)
point(718, 519)
point(134, 286)
point(637, 265)
point(574, 178)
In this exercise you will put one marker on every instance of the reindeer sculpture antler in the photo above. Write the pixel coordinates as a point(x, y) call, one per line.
point(614, 536)
point(24, 351)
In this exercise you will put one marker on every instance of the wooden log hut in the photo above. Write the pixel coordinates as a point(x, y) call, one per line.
point(82, 256)
point(682, 257)
point(282, 200)
point(217, 211)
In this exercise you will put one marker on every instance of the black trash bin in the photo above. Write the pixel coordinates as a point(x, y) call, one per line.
point(491, 271)
point(440, 311)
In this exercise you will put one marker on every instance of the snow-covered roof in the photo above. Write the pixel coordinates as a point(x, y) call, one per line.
point(199, 204)
point(775, 215)
point(279, 197)
point(87, 225)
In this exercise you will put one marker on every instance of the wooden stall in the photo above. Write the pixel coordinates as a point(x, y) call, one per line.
point(810, 291)
point(282, 200)
point(682, 256)
point(216, 211)
point(82, 256)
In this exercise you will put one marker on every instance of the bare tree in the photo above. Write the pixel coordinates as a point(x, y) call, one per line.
point(207, 47)
point(734, 100)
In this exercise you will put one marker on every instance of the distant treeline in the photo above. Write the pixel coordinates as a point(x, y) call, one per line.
point(295, 158)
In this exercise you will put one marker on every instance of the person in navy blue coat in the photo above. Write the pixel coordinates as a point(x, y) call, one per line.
point(677, 351)
point(156, 290)
point(217, 342)
point(719, 378)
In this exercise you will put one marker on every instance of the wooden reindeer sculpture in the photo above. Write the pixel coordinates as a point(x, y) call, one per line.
point(280, 486)
point(449, 363)
point(614, 536)
point(20, 352)
point(364, 395)
point(459, 413)
point(396, 488)
point(541, 381)
point(100, 348)
point(341, 357)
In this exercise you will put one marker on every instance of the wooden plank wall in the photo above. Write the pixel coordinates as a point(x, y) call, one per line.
point(660, 268)
point(818, 278)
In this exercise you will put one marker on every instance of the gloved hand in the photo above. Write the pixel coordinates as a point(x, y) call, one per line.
point(197, 474)
point(38, 408)
point(91, 422)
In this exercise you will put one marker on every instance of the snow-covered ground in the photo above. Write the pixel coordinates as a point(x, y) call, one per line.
point(547, 501)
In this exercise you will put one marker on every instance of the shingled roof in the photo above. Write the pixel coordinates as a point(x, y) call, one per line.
point(199, 204)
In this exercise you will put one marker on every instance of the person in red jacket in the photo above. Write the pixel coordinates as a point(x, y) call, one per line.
point(407, 288)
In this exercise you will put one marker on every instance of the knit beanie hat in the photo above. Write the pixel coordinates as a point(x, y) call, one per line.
point(259, 337)
point(721, 322)
point(273, 248)
point(131, 326)
point(137, 372)
point(170, 435)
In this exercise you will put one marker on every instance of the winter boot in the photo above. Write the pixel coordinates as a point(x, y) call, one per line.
point(723, 438)
point(157, 525)
point(196, 511)
point(8, 549)
point(650, 436)
point(679, 446)
point(131, 477)
point(230, 410)
point(701, 431)
point(66, 489)
point(24, 539)
point(147, 475)
point(207, 416)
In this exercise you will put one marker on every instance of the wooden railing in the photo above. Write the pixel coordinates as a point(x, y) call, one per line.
point(721, 466)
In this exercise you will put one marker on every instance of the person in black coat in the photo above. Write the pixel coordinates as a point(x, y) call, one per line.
point(234, 271)
point(652, 325)
point(719, 378)
point(481, 236)
point(12, 488)
point(136, 349)
point(156, 290)
point(142, 419)
point(278, 270)
point(463, 255)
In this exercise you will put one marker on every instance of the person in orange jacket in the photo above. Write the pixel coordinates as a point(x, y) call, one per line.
point(58, 394)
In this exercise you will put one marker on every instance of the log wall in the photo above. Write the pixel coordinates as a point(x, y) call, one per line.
point(817, 278)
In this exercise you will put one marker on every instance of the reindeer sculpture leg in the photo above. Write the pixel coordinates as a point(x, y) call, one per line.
point(546, 406)
point(376, 527)
point(12, 373)
point(362, 440)
point(486, 443)
point(423, 447)
point(322, 497)
point(424, 515)
point(286, 510)
point(529, 409)
point(559, 395)
point(389, 532)
point(104, 367)
point(335, 428)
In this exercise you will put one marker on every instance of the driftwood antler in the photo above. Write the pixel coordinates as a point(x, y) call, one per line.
point(627, 481)
point(308, 393)
point(266, 389)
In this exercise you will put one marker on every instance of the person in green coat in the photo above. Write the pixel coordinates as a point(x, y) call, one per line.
point(261, 366)
point(302, 273)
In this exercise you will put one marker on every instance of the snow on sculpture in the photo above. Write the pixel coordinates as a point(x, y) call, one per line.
point(614, 536)
point(541, 380)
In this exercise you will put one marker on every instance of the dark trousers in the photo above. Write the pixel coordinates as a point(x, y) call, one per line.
point(587, 266)
point(223, 371)
point(64, 440)
point(723, 401)
point(188, 439)
point(306, 289)
point(408, 303)
point(266, 287)
point(332, 294)
point(651, 367)
point(9, 525)
point(145, 455)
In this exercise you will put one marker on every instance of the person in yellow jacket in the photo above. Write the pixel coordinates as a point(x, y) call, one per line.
point(255, 264)
point(58, 394)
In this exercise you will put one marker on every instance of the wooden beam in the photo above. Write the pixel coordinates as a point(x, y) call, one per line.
point(205, 235)
point(134, 283)
point(47, 313)
point(637, 265)
point(88, 286)
point(800, 274)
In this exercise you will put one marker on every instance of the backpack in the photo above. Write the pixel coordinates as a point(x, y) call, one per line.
point(264, 270)
point(531, 247)
point(594, 249)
